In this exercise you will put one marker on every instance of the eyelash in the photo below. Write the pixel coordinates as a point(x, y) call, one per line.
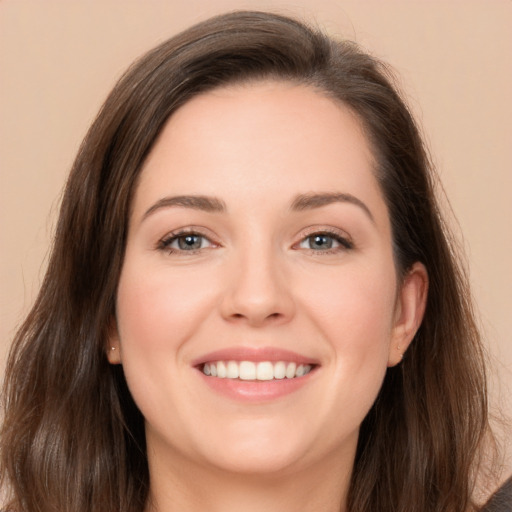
point(165, 243)
point(344, 242)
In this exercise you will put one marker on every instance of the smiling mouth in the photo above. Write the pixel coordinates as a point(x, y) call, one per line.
point(256, 371)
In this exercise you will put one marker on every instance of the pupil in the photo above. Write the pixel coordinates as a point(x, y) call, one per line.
point(322, 242)
point(190, 242)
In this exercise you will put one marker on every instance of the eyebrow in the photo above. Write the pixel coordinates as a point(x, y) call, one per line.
point(215, 205)
point(204, 203)
point(317, 200)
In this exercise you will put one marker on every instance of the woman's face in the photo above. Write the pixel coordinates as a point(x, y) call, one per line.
point(259, 245)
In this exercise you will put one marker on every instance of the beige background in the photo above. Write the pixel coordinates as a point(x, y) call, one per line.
point(59, 59)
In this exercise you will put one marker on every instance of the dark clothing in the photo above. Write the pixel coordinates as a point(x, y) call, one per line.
point(501, 501)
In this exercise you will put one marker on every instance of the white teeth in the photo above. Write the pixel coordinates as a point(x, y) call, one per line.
point(279, 370)
point(248, 370)
point(233, 371)
point(290, 370)
point(221, 370)
point(264, 371)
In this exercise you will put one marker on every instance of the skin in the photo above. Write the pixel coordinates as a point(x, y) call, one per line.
point(259, 281)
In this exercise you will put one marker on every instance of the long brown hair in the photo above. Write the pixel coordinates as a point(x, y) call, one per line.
point(73, 439)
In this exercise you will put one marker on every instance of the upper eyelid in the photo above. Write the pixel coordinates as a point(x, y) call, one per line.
point(171, 236)
point(211, 237)
point(344, 239)
point(189, 230)
point(328, 230)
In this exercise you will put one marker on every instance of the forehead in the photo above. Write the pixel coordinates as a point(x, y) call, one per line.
point(258, 140)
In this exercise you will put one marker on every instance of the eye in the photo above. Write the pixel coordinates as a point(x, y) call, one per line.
point(325, 242)
point(185, 242)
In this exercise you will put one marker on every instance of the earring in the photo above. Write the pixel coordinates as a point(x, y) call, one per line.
point(401, 354)
point(112, 348)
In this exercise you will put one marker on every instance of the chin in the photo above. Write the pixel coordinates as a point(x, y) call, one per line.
point(264, 448)
point(251, 460)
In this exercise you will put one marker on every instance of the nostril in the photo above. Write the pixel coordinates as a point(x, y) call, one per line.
point(270, 317)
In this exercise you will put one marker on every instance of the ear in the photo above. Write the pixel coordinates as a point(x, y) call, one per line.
point(409, 311)
point(113, 346)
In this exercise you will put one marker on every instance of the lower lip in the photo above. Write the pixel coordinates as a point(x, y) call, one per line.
point(256, 390)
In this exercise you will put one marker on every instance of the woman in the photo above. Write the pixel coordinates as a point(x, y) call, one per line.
point(252, 299)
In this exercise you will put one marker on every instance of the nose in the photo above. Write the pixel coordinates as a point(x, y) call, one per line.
point(257, 291)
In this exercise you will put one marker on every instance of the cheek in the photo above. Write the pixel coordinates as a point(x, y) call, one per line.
point(354, 311)
point(355, 317)
point(159, 309)
point(158, 312)
point(355, 305)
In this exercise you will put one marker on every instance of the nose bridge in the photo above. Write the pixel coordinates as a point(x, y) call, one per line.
point(258, 291)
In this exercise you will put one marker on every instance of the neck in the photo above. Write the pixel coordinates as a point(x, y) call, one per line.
point(192, 488)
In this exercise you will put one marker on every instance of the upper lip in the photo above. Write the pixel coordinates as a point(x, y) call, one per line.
point(258, 354)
